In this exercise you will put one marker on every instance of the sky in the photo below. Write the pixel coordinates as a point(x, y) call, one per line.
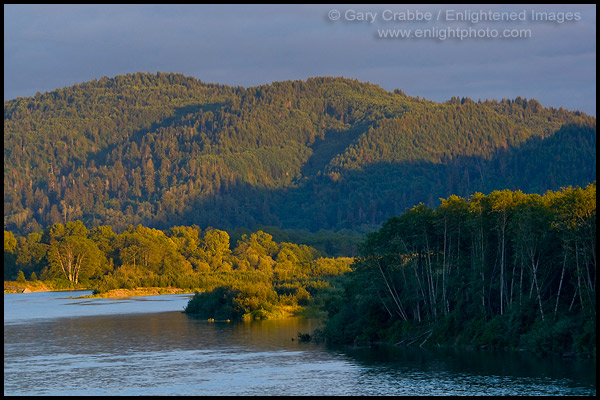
point(546, 52)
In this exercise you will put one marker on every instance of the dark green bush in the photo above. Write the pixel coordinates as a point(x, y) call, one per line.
point(216, 304)
point(494, 333)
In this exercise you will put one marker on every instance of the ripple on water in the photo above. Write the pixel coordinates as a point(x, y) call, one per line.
point(160, 352)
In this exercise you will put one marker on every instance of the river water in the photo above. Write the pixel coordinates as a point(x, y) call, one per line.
point(57, 345)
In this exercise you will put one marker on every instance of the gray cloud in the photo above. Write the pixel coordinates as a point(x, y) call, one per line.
point(52, 46)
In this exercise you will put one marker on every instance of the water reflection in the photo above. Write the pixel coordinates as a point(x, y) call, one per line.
point(158, 353)
point(169, 353)
point(477, 362)
point(477, 372)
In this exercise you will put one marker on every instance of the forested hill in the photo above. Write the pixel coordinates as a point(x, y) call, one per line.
point(325, 153)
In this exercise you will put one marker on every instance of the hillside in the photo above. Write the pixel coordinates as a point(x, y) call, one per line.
point(326, 153)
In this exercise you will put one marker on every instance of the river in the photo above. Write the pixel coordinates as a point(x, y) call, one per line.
point(57, 345)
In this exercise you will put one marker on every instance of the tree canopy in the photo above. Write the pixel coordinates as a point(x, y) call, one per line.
point(325, 153)
point(507, 269)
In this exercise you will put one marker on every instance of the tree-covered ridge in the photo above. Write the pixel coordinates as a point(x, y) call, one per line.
point(325, 153)
point(506, 269)
point(438, 133)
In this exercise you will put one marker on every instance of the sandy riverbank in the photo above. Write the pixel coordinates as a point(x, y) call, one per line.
point(141, 291)
point(40, 286)
point(36, 286)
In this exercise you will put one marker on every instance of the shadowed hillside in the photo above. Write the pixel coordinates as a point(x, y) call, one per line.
point(325, 153)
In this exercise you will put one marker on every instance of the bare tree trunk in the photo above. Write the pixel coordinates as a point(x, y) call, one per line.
point(420, 285)
point(381, 298)
point(62, 263)
point(512, 282)
point(502, 267)
point(78, 265)
point(578, 276)
point(432, 291)
point(534, 266)
point(444, 266)
point(562, 274)
point(66, 261)
point(590, 286)
point(482, 269)
point(521, 281)
point(399, 306)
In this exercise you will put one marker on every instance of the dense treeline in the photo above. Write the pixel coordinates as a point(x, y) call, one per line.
point(268, 272)
point(506, 269)
point(326, 153)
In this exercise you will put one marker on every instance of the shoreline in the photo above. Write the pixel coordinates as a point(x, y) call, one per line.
point(39, 286)
point(36, 286)
point(140, 291)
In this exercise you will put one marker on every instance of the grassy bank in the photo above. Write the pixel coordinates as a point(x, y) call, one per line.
point(140, 291)
point(58, 286)
point(40, 286)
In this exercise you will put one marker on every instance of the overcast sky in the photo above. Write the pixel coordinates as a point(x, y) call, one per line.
point(52, 46)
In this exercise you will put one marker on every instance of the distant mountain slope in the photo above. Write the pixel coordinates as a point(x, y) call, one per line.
point(325, 153)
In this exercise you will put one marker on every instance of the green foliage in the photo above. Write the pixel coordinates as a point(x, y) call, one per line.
point(566, 335)
point(21, 277)
point(504, 270)
point(71, 253)
point(265, 276)
point(254, 280)
point(10, 258)
point(217, 304)
point(10, 242)
point(163, 150)
point(585, 338)
point(494, 333)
